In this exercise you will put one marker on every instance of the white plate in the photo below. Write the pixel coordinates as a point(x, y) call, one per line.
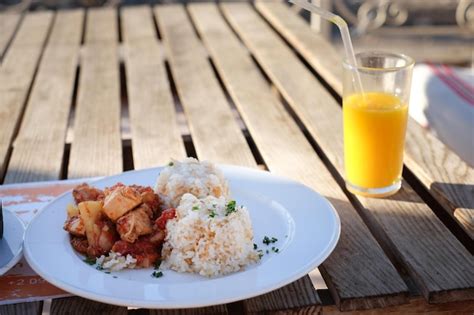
point(306, 225)
point(12, 243)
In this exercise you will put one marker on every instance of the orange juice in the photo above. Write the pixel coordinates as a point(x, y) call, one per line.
point(374, 136)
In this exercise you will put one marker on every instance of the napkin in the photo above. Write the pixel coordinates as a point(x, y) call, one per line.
point(442, 100)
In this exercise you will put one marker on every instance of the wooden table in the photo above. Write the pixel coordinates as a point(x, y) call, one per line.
point(99, 91)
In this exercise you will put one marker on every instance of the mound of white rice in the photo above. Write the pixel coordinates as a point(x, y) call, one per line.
point(201, 179)
point(115, 262)
point(209, 236)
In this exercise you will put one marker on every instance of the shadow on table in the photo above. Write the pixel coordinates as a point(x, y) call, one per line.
point(465, 193)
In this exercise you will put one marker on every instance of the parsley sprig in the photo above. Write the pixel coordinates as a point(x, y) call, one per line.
point(267, 240)
point(212, 213)
point(90, 261)
point(230, 207)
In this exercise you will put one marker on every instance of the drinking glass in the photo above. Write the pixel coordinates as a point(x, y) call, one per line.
point(375, 121)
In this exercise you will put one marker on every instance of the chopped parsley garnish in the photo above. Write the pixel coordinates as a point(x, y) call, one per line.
point(212, 214)
point(230, 207)
point(107, 272)
point(99, 267)
point(170, 164)
point(157, 274)
point(157, 264)
point(90, 261)
point(267, 241)
point(260, 255)
point(267, 251)
point(195, 208)
point(254, 246)
point(276, 250)
point(115, 277)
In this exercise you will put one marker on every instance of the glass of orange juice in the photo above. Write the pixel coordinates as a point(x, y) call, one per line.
point(375, 122)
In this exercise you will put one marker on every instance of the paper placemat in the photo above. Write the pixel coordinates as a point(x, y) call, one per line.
point(21, 283)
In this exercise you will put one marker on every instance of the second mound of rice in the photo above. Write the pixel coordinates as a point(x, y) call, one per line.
point(209, 236)
point(201, 179)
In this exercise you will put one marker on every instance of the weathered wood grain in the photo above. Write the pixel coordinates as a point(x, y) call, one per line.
point(77, 305)
point(215, 133)
point(16, 75)
point(416, 306)
point(287, 152)
point(44, 124)
point(33, 308)
point(155, 133)
point(101, 25)
point(137, 23)
point(211, 310)
point(404, 224)
point(96, 148)
point(8, 25)
point(449, 179)
point(305, 40)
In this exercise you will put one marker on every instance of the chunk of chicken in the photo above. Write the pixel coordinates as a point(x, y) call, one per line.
point(145, 252)
point(149, 197)
point(80, 244)
point(120, 201)
point(85, 192)
point(75, 226)
point(135, 223)
point(104, 240)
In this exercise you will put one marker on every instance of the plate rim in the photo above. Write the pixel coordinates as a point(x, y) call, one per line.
point(16, 258)
point(304, 270)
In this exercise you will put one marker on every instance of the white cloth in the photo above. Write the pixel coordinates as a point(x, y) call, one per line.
point(442, 100)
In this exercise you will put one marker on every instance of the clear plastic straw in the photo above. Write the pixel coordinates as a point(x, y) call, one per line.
point(346, 37)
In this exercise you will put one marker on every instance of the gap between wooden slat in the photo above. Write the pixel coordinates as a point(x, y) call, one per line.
point(9, 24)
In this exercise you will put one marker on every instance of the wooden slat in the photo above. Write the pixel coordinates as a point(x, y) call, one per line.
point(155, 133)
point(8, 25)
point(80, 306)
point(404, 224)
point(287, 152)
point(448, 178)
point(211, 310)
point(16, 75)
point(33, 308)
point(297, 31)
point(137, 23)
point(45, 120)
point(101, 25)
point(215, 133)
point(96, 148)
point(444, 174)
point(417, 306)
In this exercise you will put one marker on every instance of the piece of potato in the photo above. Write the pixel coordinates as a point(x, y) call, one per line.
point(91, 212)
point(72, 210)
